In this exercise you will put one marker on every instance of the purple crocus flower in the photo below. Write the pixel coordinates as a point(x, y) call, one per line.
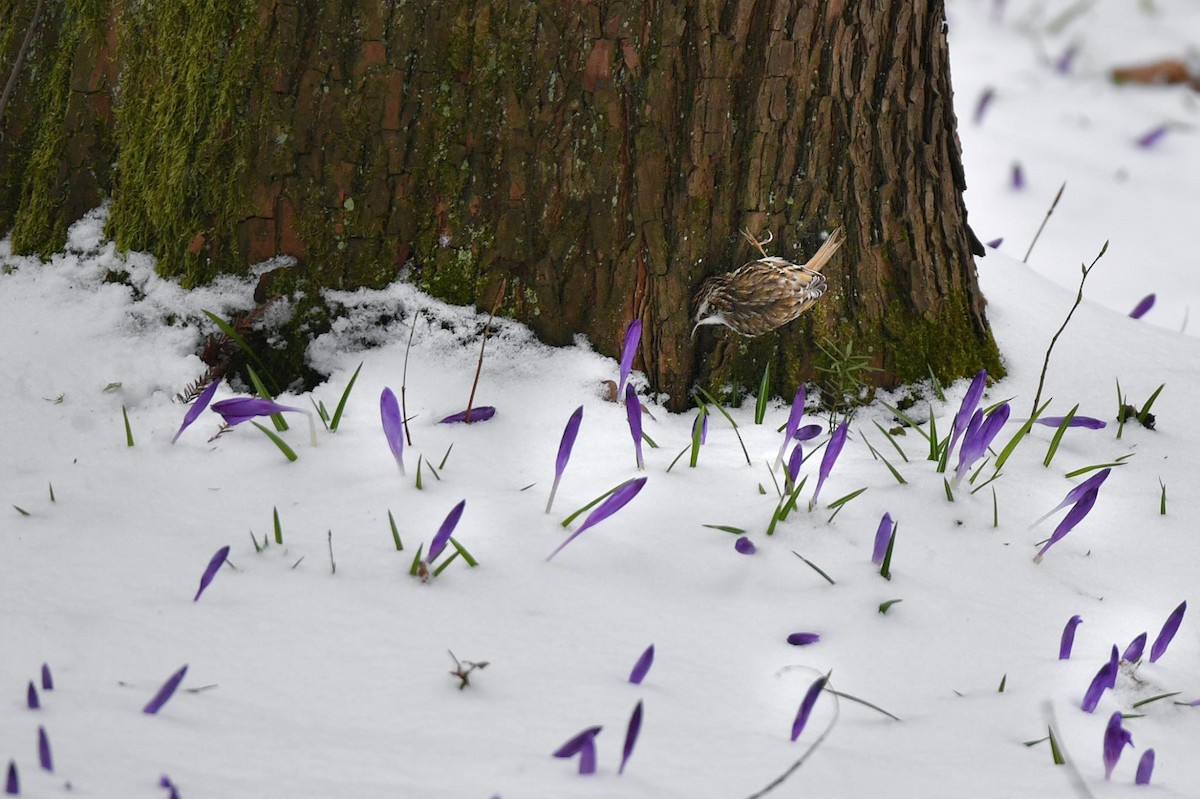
point(966, 410)
point(210, 571)
point(978, 438)
point(1068, 637)
point(1169, 628)
point(12, 785)
point(1105, 677)
point(806, 707)
point(1075, 494)
point(642, 666)
point(832, 450)
point(241, 409)
point(584, 745)
point(1145, 768)
point(1063, 64)
point(393, 425)
point(633, 335)
point(1073, 517)
point(1152, 137)
point(47, 680)
point(631, 735)
point(1090, 422)
point(633, 410)
point(165, 782)
point(807, 432)
point(617, 500)
point(1018, 177)
point(1116, 738)
point(803, 639)
point(793, 422)
point(165, 693)
point(480, 414)
point(1135, 648)
point(795, 460)
point(883, 535)
point(197, 408)
point(745, 546)
point(985, 100)
point(44, 758)
point(443, 534)
point(995, 243)
point(564, 451)
point(31, 697)
point(702, 421)
point(1142, 307)
point(1114, 660)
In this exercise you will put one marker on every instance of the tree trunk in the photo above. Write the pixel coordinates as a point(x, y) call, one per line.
point(602, 156)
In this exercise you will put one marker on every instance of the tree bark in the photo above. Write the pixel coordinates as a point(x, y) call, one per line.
point(601, 156)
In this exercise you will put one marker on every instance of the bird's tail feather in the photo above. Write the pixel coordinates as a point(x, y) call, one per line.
point(826, 251)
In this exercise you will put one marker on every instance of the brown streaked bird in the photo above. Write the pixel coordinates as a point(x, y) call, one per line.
point(764, 294)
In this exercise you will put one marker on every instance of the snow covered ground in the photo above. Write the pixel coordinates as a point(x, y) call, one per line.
point(305, 681)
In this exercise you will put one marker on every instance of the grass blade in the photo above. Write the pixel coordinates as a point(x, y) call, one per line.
point(288, 452)
point(591, 504)
point(1145, 411)
point(862, 702)
point(442, 465)
point(885, 570)
point(760, 403)
point(341, 406)
point(261, 388)
point(1016, 439)
point(278, 527)
point(236, 338)
point(908, 420)
point(465, 554)
point(725, 528)
point(891, 439)
point(725, 413)
point(395, 532)
point(128, 429)
point(814, 567)
point(1058, 434)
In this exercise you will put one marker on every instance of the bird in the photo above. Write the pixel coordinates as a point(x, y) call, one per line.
point(765, 294)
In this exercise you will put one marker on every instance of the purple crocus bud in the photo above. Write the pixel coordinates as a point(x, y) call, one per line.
point(803, 639)
point(883, 535)
point(617, 500)
point(1114, 662)
point(978, 438)
point(1068, 637)
point(1145, 768)
point(165, 782)
point(443, 534)
point(393, 425)
point(745, 546)
point(702, 420)
point(1100, 683)
point(633, 335)
point(966, 410)
point(1073, 517)
point(793, 422)
point(807, 432)
point(480, 414)
point(806, 707)
point(1063, 64)
point(44, 758)
point(241, 409)
point(31, 697)
point(795, 460)
point(584, 745)
point(1134, 650)
point(832, 450)
point(995, 243)
point(210, 571)
point(1075, 494)
point(1142, 307)
point(981, 106)
point(1090, 422)
point(587, 756)
point(564, 451)
point(197, 408)
point(642, 666)
point(631, 735)
point(633, 410)
point(1018, 177)
point(1169, 628)
point(1116, 738)
point(47, 680)
point(12, 785)
point(1152, 137)
point(165, 693)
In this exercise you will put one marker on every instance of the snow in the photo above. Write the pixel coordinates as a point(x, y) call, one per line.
point(308, 682)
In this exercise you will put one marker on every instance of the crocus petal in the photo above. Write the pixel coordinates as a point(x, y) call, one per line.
point(587, 756)
point(12, 785)
point(966, 410)
point(793, 422)
point(806, 707)
point(702, 421)
point(1076, 493)
point(1142, 307)
point(794, 462)
point(1114, 662)
point(393, 425)
point(1115, 739)
point(1068, 637)
point(616, 500)
point(1169, 628)
point(1018, 177)
point(31, 697)
point(633, 410)
point(197, 408)
point(803, 639)
point(995, 243)
point(210, 571)
point(1145, 768)
point(480, 414)
point(1152, 137)
point(564, 451)
point(1135, 648)
point(882, 536)
point(642, 666)
point(165, 693)
point(631, 736)
point(1090, 422)
point(47, 680)
point(1098, 686)
point(979, 437)
point(44, 757)
point(745, 546)
point(1073, 517)
point(443, 534)
point(1063, 64)
point(981, 106)
point(633, 335)
point(240, 409)
point(832, 450)
point(575, 744)
point(807, 432)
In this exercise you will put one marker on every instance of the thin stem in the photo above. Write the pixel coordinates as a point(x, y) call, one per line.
point(20, 59)
point(404, 382)
point(486, 330)
point(1042, 226)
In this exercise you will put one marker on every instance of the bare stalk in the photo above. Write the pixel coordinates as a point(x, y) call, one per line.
point(486, 330)
point(20, 60)
point(404, 378)
point(1042, 227)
